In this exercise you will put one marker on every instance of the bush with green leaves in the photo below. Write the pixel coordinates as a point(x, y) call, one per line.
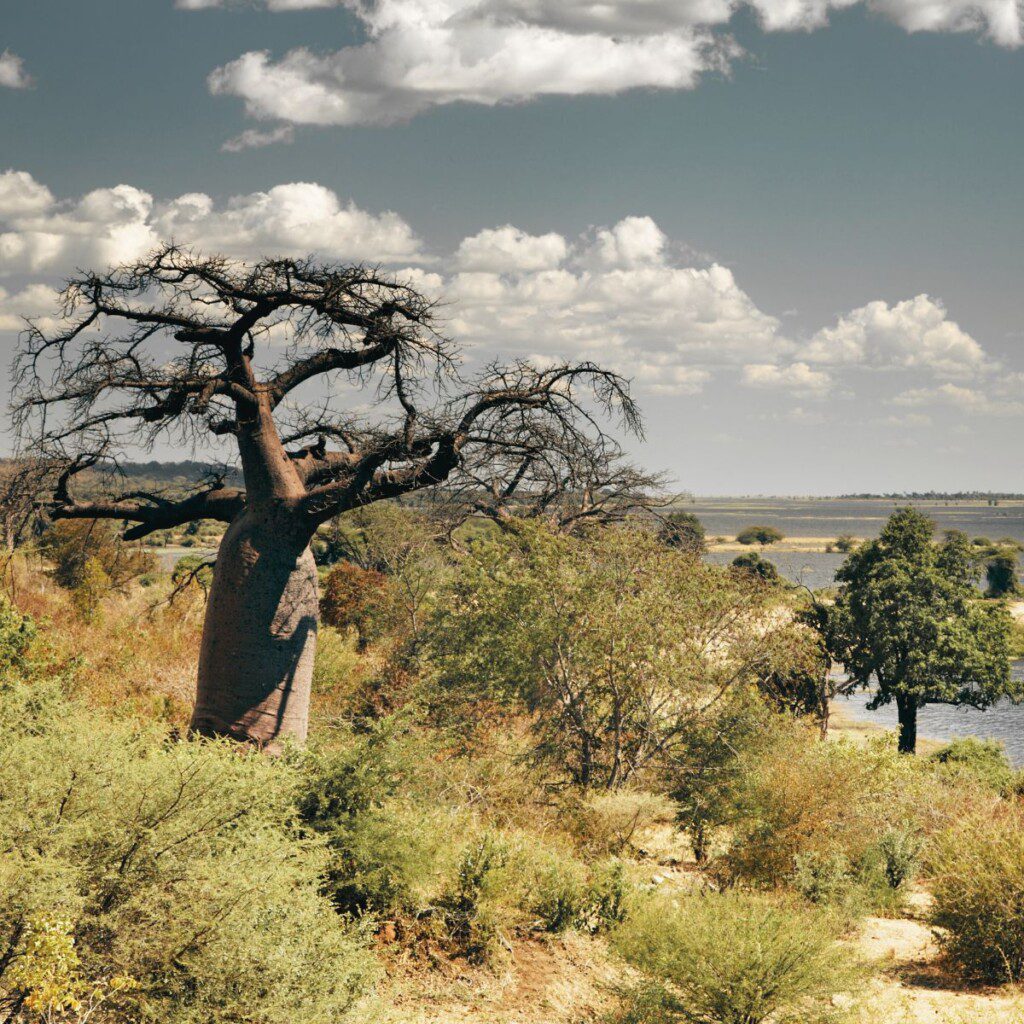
point(752, 564)
point(759, 535)
point(382, 850)
point(171, 870)
point(977, 880)
point(611, 644)
point(734, 958)
point(798, 797)
point(977, 760)
point(685, 531)
point(17, 635)
point(567, 894)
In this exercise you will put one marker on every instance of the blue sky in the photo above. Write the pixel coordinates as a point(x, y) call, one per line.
point(799, 228)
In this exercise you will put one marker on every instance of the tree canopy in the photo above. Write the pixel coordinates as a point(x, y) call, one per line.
point(909, 620)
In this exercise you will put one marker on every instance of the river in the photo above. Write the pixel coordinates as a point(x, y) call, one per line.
point(1003, 722)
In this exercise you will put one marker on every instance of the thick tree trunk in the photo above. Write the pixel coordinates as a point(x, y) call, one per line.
point(259, 637)
point(906, 709)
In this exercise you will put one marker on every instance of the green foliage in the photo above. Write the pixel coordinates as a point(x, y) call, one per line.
point(567, 896)
point(706, 780)
point(845, 543)
point(908, 619)
point(92, 584)
point(798, 797)
point(357, 598)
point(977, 872)
point(752, 564)
point(1001, 575)
point(685, 531)
point(611, 642)
point(81, 549)
point(981, 761)
point(380, 851)
point(733, 958)
point(467, 906)
point(759, 535)
point(17, 635)
point(163, 875)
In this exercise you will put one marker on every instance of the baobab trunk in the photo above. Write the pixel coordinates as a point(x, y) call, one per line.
point(259, 637)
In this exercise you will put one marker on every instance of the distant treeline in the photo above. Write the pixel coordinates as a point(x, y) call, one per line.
point(936, 496)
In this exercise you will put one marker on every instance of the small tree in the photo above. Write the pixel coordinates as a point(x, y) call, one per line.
point(908, 619)
point(759, 535)
point(1001, 575)
point(612, 643)
point(685, 531)
point(750, 563)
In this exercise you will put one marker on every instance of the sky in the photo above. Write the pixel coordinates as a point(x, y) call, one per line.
point(797, 225)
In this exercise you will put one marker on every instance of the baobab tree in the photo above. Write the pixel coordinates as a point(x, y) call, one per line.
point(280, 359)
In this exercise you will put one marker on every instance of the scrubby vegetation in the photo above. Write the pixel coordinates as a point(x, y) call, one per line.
point(528, 742)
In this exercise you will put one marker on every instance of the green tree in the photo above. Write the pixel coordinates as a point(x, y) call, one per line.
point(613, 644)
point(685, 531)
point(759, 535)
point(1001, 574)
point(752, 564)
point(909, 619)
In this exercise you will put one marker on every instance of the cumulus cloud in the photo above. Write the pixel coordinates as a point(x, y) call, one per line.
point(12, 72)
point(621, 294)
point(796, 377)
point(111, 225)
point(507, 249)
point(421, 54)
point(916, 333)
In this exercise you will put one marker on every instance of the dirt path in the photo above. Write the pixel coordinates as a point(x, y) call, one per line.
point(910, 986)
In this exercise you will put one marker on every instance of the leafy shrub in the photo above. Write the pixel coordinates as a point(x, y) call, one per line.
point(981, 761)
point(379, 850)
point(568, 896)
point(977, 870)
point(164, 876)
point(1001, 575)
point(845, 543)
point(17, 635)
point(823, 878)
point(732, 958)
point(759, 535)
point(607, 643)
point(685, 531)
point(802, 796)
point(71, 543)
point(609, 822)
point(900, 851)
point(355, 598)
point(750, 563)
point(337, 661)
point(467, 906)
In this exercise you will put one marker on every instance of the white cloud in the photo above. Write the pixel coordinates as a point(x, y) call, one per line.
point(421, 54)
point(914, 334)
point(33, 300)
point(796, 377)
point(12, 72)
point(253, 138)
point(974, 401)
point(111, 225)
point(622, 295)
point(505, 249)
